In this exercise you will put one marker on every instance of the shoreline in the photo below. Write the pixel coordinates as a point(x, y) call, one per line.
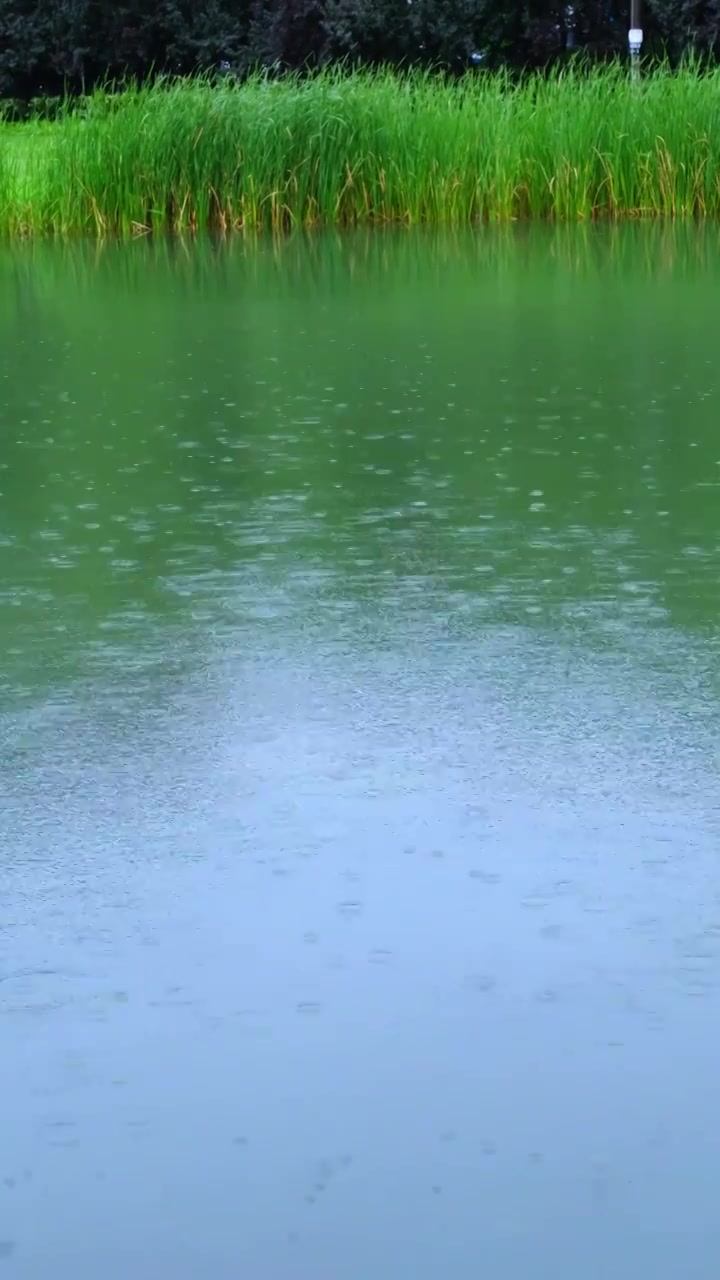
point(368, 149)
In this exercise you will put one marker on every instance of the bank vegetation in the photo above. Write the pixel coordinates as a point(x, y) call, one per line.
point(374, 147)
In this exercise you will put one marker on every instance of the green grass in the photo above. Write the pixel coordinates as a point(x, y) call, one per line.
point(345, 150)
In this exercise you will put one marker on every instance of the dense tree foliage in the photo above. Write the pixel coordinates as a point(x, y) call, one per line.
point(49, 46)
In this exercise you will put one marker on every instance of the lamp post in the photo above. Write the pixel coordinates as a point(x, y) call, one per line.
point(635, 37)
point(570, 40)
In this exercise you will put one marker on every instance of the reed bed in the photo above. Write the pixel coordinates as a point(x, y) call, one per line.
point(359, 149)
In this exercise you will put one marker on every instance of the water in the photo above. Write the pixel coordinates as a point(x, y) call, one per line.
point(359, 909)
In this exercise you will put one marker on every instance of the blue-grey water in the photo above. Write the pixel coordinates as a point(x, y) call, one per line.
point(359, 821)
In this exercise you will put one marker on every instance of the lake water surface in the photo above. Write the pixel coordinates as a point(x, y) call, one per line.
point(359, 710)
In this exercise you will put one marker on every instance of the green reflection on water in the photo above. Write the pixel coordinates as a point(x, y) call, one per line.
point(507, 428)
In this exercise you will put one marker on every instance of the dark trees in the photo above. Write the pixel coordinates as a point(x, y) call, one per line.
point(48, 47)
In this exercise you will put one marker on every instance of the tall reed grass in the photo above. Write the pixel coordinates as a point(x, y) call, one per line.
point(346, 150)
